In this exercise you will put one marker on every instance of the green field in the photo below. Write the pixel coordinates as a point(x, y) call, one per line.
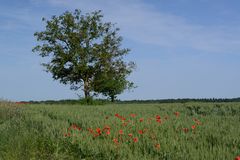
point(120, 131)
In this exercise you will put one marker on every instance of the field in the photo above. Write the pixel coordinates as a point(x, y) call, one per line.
point(120, 131)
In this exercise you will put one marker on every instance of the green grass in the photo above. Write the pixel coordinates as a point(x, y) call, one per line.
point(51, 131)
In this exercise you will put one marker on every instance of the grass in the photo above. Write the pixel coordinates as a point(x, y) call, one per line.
point(120, 131)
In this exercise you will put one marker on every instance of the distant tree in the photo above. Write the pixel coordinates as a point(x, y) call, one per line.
point(80, 48)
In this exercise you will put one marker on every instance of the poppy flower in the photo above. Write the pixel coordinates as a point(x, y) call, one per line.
point(135, 139)
point(237, 158)
point(158, 120)
point(140, 131)
point(106, 127)
point(193, 126)
point(176, 114)
point(185, 130)
point(98, 130)
point(108, 132)
point(130, 134)
point(133, 115)
point(141, 119)
point(120, 131)
point(115, 140)
point(158, 117)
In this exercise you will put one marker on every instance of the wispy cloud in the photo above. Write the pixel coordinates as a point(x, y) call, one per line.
point(143, 23)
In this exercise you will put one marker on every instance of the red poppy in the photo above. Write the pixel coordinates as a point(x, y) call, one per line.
point(159, 120)
point(106, 127)
point(135, 139)
point(141, 119)
point(108, 132)
point(193, 126)
point(237, 158)
point(120, 131)
point(130, 134)
point(185, 130)
point(158, 117)
point(140, 131)
point(133, 115)
point(90, 130)
point(98, 130)
point(115, 140)
point(176, 114)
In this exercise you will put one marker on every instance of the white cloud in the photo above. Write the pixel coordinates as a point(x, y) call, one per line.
point(143, 23)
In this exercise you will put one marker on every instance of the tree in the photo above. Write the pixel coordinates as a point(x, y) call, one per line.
point(112, 81)
point(81, 49)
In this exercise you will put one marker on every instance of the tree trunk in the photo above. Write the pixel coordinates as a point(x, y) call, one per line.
point(86, 90)
point(112, 98)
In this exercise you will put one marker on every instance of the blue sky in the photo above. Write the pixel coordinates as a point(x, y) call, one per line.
point(183, 48)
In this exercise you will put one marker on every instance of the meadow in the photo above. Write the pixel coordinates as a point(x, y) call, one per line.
point(168, 131)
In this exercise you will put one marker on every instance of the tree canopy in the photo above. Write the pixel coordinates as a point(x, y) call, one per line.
point(85, 52)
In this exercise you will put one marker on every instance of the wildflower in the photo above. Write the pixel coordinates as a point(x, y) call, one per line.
point(197, 121)
point(108, 132)
point(116, 115)
point(158, 117)
point(157, 146)
point(193, 127)
point(176, 114)
point(106, 127)
point(141, 119)
point(158, 120)
point(65, 135)
point(74, 126)
point(133, 115)
point(115, 140)
point(98, 131)
point(237, 158)
point(120, 131)
point(185, 130)
point(130, 134)
point(90, 130)
point(135, 139)
point(140, 131)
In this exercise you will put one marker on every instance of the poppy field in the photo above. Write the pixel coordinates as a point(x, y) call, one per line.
point(120, 131)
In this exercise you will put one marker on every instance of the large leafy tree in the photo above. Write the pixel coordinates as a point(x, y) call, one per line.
point(84, 51)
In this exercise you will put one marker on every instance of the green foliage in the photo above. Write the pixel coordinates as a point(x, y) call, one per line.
point(82, 47)
point(41, 131)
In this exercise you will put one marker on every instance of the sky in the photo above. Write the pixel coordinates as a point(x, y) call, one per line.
point(182, 48)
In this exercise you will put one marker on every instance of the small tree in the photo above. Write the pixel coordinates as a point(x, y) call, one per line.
point(113, 80)
point(80, 48)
